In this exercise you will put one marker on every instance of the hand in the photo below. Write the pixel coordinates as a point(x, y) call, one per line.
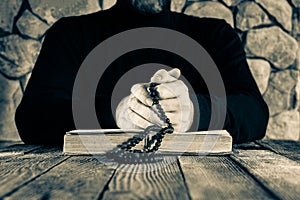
point(136, 110)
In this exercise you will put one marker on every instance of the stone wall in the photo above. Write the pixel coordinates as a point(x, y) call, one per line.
point(269, 29)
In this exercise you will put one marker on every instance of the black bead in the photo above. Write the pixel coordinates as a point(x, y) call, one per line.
point(155, 102)
point(155, 148)
point(154, 137)
point(154, 84)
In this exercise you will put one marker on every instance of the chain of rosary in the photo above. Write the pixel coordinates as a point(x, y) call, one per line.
point(124, 153)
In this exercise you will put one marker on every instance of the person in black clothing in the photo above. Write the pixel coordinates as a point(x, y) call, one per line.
point(45, 112)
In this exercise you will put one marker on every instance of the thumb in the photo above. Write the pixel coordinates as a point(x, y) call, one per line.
point(175, 73)
point(163, 76)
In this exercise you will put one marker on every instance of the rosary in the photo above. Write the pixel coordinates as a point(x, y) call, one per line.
point(124, 153)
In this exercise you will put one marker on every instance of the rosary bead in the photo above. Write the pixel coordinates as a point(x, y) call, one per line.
point(167, 120)
point(158, 144)
point(152, 85)
point(155, 102)
point(155, 148)
point(154, 137)
point(152, 93)
point(151, 89)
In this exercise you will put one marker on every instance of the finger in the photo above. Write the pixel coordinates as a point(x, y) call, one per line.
point(177, 110)
point(173, 105)
point(172, 90)
point(181, 128)
point(175, 117)
point(137, 119)
point(175, 73)
point(139, 91)
point(122, 118)
point(170, 105)
point(144, 111)
point(163, 76)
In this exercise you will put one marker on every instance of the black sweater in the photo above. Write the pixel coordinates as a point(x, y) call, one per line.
point(45, 112)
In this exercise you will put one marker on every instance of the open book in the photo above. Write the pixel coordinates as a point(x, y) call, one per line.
point(101, 141)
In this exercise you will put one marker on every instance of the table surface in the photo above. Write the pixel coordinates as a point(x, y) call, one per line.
point(261, 170)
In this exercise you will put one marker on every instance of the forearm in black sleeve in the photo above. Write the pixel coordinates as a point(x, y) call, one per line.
point(246, 117)
point(246, 112)
point(44, 122)
point(44, 114)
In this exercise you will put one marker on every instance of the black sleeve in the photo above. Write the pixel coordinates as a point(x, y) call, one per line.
point(247, 113)
point(45, 113)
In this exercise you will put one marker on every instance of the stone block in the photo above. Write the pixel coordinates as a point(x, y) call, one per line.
point(24, 81)
point(10, 69)
point(10, 98)
point(260, 70)
point(284, 126)
point(281, 10)
point(297, 89)
point(297, 95)
point(31, 26)
point(277, 101)
point(250, 15)
point(281, 91)
point(177, 5)
point(52, 10)
point(106, 4)
point(296, 25)
point(232, 2)
point(284, 81)
point(210, 10)
point(8, 11)
point(21, 53)
point(273, 44)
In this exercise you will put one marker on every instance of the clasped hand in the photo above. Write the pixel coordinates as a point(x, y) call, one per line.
point(136, 110)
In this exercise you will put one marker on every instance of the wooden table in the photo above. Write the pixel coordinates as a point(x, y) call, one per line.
point(260, 170)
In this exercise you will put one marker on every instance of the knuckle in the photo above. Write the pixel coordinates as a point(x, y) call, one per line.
point(166, 91)
point(182, 85)
point(161, 71)
point(132, 103)
point(136, 89)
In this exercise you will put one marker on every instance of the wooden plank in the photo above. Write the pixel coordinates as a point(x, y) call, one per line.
point(287, 148)
point(4, 144)
point(277, 173)
point(19, 170)
point(219, 178)
point(80, 177)
point(17, 150)
point(148, 181)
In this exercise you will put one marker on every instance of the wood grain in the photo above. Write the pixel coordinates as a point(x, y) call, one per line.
point(18, 170)
point(277, 173)
point(81, 177)
point(287, 148)
point(148, 181)
point(219, 178)
point(17, 150)
point(4, 144)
